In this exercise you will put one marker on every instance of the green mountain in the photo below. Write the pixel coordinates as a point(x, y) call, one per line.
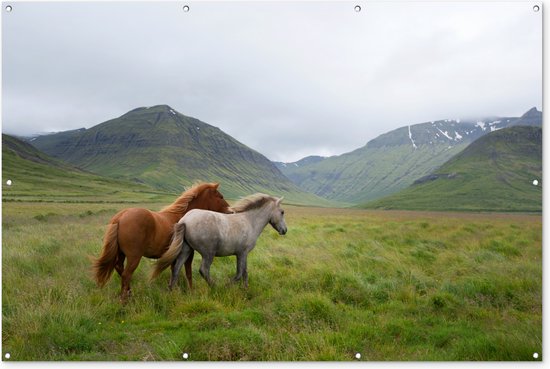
point(167, 150)
point(394, 160)
point(494, 173)
point(35, 176)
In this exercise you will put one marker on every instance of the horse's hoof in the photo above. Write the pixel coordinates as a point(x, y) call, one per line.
point(125, 297)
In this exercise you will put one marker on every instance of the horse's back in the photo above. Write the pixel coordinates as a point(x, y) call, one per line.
point(202, 220)
point(138, 218)
point(220, 234)
point(144, 232)
point(202, 227)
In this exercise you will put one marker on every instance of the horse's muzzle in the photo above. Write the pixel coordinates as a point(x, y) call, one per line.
point(282, 231)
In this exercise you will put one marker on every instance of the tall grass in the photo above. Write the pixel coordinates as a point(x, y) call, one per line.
point(389, 285)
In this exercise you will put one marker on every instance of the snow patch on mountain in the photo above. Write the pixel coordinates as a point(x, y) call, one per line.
point(446, 134)
point(411, 138)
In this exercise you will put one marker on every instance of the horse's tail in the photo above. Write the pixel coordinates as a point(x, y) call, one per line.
point(103, 266)
point(173, 250)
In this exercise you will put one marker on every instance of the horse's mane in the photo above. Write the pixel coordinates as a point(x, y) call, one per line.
point(254, 201)
point(182, 203)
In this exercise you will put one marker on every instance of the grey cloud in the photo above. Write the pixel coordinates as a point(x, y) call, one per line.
point(287, 79)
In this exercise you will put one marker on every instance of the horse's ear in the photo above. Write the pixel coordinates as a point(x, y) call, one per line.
point(279, 201)
point(216, 185)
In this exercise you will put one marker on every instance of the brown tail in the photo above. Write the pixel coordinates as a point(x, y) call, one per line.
point(103, 266)
point(173, 250)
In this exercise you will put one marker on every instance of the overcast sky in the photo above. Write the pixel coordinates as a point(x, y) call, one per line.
point(287, 79)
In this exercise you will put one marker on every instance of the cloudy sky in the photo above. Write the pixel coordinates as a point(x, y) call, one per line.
point(288, 79)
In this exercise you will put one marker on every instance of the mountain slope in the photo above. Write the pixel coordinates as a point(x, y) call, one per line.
point(494, 173)
point(35, 176)
point(394, 160)
point(168, 150)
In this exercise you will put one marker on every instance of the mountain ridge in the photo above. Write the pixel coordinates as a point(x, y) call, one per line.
point(494, 173)
point(167, 150)
point(394, 160)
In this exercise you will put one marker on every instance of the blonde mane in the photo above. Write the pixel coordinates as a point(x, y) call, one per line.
point(254, 201)
point(182, 203)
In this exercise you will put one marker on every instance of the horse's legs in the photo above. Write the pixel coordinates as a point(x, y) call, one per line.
point(241, 269)
point(205, 267)
point(131, 265)
point(241, 260)
point(184, 254)
point(119, 266)
point(245, 274)
point(188, 269)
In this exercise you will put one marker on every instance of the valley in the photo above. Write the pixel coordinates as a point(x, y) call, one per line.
point(164, 150)
point(388, 284)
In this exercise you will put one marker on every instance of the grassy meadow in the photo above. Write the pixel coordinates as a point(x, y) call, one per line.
point(390, 285)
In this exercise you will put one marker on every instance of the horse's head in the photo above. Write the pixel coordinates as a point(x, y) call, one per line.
point(211, 199)
point(277, 218)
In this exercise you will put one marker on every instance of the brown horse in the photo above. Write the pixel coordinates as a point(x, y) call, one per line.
point(137, 232)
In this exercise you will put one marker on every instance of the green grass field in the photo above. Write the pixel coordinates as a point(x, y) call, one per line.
point(389, 285)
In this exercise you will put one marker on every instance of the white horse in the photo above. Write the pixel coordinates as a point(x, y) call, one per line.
point(215, 234)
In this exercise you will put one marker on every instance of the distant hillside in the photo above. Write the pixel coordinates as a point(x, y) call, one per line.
point(305, 161)
point(494, 173)
point(168, 150)
point(37, 177)
point(394, 160)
